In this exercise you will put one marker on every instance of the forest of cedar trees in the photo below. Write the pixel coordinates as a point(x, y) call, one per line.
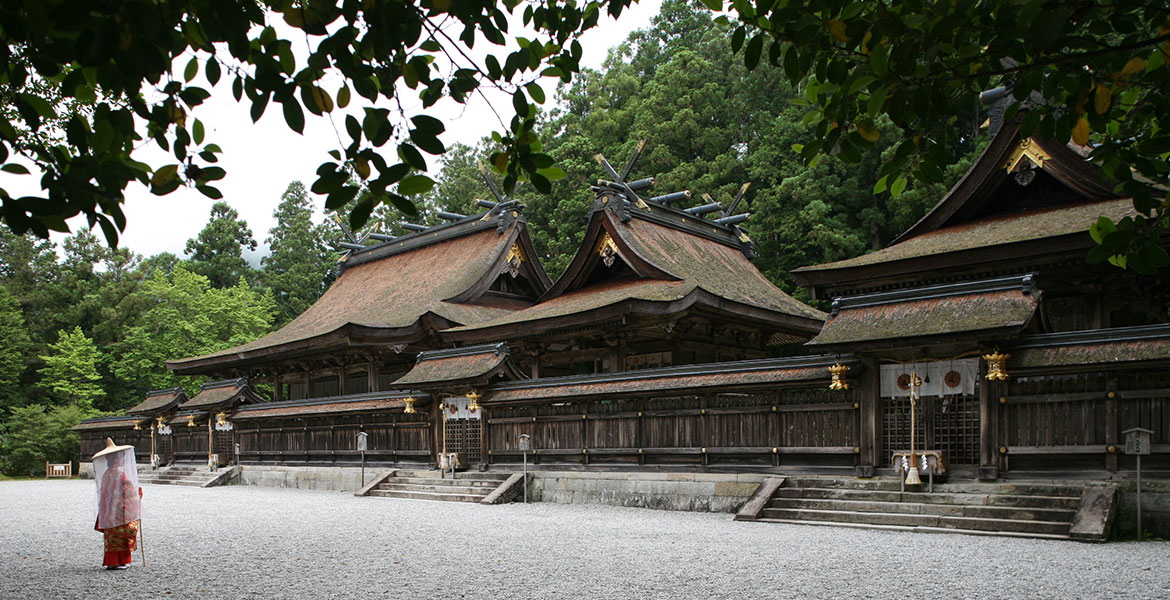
point(85, 329)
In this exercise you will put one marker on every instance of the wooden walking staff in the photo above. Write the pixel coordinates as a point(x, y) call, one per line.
point(912, 477)
point(141, 536)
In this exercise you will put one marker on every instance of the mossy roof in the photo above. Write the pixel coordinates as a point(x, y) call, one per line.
point(998, 313)
point(690, 267)
point(159, 401)
point(992, 231)
point(471, 366)
point(392, 293)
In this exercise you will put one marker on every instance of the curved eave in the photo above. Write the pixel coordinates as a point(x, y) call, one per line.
point(696, 298)
point(602, 220)
point(1026, 252)
point(993, 334)
point(769, 372)
point(531, 267)
point(987, 173)
point(341, 337)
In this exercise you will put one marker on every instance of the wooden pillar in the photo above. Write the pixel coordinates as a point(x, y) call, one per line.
point(1111, 421)
point(372, 382)
point(990, 393)
point(869, 396)
point(277, 392)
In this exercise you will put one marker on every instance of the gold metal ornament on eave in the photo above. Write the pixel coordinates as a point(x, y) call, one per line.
point(607, 249)
point(409, 406)
point(515, 258)
point(474, 397)
point(996, 365)
point(838, 372)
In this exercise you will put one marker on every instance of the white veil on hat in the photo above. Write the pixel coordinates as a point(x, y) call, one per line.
point(116, 495)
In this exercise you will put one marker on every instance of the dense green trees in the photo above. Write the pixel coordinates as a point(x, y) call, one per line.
point(296, 269)
point(217, 252)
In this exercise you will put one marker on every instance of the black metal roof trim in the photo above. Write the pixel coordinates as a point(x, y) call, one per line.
point(820, 360)
point(114, 419)
point(327, 400)
point(1025, 284)
point(498, 218)
point(239, 381)
point(1137, 333)
point(499, 348)
point(172, 390)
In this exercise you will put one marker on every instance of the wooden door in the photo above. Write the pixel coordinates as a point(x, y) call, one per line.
point(946, 423)
point(463, 430)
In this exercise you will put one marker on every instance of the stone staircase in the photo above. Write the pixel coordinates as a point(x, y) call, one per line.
point(187, 475)
point(1026, 509)
point(426, 485)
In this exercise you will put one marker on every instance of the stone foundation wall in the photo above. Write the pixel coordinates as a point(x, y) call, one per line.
point(1155, 509)
point(338, 479)
point(702, 492)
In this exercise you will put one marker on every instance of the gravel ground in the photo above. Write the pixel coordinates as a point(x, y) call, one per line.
point(252, 542)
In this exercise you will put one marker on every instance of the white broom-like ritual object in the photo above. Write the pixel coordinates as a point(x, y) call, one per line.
point(912, 477)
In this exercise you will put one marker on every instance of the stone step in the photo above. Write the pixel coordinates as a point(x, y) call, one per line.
point(443, 489)
point(917, 520)
point(960, 510)
point(414, 495)
point(1062, 502)
point(487, 483)
point(1044, 536)
point(421, 474)
point(1021, 488)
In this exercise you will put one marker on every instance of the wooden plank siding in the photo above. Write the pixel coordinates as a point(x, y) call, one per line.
point(1074, 421)
point(806, 427)
point(394, 438)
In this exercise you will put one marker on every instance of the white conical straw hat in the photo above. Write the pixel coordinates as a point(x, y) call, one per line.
point(111, 447)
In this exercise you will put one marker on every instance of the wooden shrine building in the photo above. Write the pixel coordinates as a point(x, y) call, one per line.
point(657, 348)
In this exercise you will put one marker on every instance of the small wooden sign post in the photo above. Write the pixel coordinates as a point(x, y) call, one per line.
point(525, 444)
point(362, 446)
point(1137, 443)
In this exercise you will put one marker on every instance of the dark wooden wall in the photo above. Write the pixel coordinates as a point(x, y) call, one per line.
point(793, 427)
point(1074, 422)
point(394, 438)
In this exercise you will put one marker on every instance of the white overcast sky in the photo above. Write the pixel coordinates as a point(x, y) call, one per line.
point(262, 158)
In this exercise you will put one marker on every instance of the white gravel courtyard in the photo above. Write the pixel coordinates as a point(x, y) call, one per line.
point(253, 542)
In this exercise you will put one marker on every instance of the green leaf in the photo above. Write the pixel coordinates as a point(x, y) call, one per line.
point(881, 185)
point(14, 168)
point(415, 184)
point(898, 186)
point(714, 5)
point(428, 124)
point(427, 141)
point(535, 92)
point(192, 70)
point(197, 131)
point(212, 70)
point(751, 55)
point(293, 115)
point(879, 60)
point(552, 173)
point(411, 156)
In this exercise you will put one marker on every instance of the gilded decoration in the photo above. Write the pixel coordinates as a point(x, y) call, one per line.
point(1026, 149)
point(409, 408)
point(607, 249)
point(474, 396)
point(838, 372)
point(996, 365)
point(515, 258)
